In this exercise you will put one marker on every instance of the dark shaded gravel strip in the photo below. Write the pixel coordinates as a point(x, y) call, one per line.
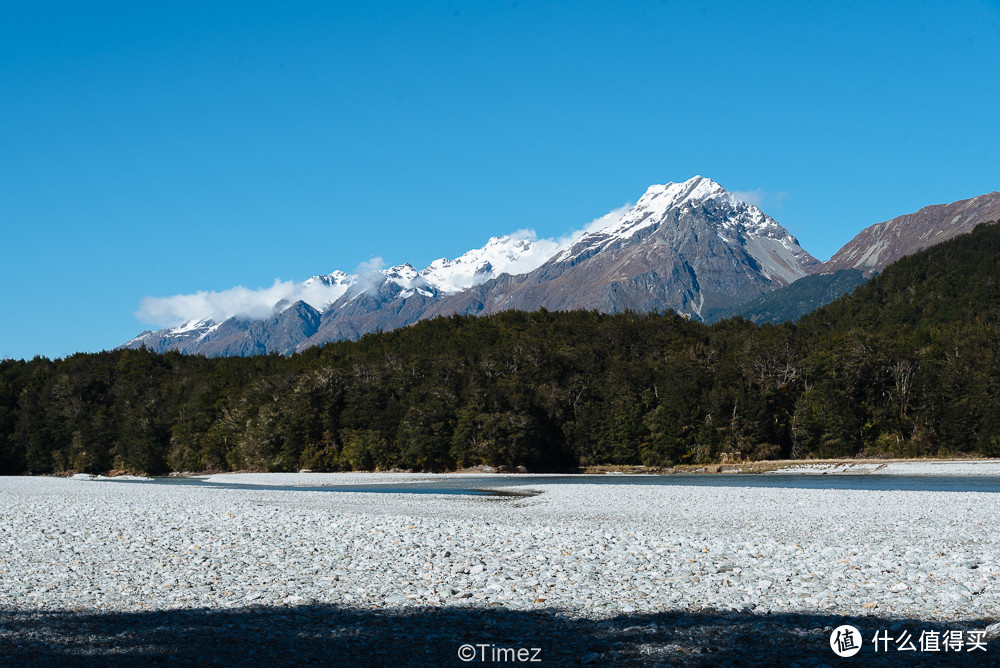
point(327, 635)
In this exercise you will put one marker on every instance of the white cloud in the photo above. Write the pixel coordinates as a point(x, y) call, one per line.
point(542, 250)
point(369, 274)
point(761, 198)
point(535, 256)
point(755, 197)
point(316, 294)
point(610, 218)
point(234, 302)
point(596, 225)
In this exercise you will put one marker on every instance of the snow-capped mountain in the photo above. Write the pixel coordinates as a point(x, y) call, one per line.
point(650, 209)
point(686, 246)
point(769, 243)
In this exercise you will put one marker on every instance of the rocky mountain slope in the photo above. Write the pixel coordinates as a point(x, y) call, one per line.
point(878, 246)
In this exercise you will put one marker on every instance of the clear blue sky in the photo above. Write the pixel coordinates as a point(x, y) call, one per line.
point(165, 148)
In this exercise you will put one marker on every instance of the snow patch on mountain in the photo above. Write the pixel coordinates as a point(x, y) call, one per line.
point(194, 326)
point(517, 253)
point(186, 334)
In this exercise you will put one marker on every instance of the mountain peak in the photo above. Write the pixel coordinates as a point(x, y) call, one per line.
point(657, 201)
point(702, 211)
point(697, 188)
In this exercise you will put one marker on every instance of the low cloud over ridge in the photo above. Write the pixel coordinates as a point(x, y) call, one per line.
point(239, 301)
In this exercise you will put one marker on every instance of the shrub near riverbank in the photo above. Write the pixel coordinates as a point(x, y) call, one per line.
point(907, 366)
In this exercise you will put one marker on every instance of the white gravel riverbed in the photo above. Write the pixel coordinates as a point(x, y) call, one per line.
point(970, 467)
point(588, 550)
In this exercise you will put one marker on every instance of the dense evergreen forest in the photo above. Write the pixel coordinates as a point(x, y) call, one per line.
point(793, 301)
point(909, 365)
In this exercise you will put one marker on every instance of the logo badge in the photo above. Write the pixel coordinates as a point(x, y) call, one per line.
point(845, 641)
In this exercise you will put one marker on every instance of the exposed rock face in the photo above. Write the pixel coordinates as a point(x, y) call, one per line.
point(386, 308)
point(880, 245)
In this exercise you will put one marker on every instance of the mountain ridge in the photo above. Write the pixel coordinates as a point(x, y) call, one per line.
point(691, 246)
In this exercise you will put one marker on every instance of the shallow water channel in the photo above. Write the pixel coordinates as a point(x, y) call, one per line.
point(493, 485)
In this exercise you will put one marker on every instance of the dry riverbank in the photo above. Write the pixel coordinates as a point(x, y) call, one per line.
point(825, 466)
point(628, 562)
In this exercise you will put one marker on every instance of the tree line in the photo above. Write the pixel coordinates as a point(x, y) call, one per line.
point(906, 366)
